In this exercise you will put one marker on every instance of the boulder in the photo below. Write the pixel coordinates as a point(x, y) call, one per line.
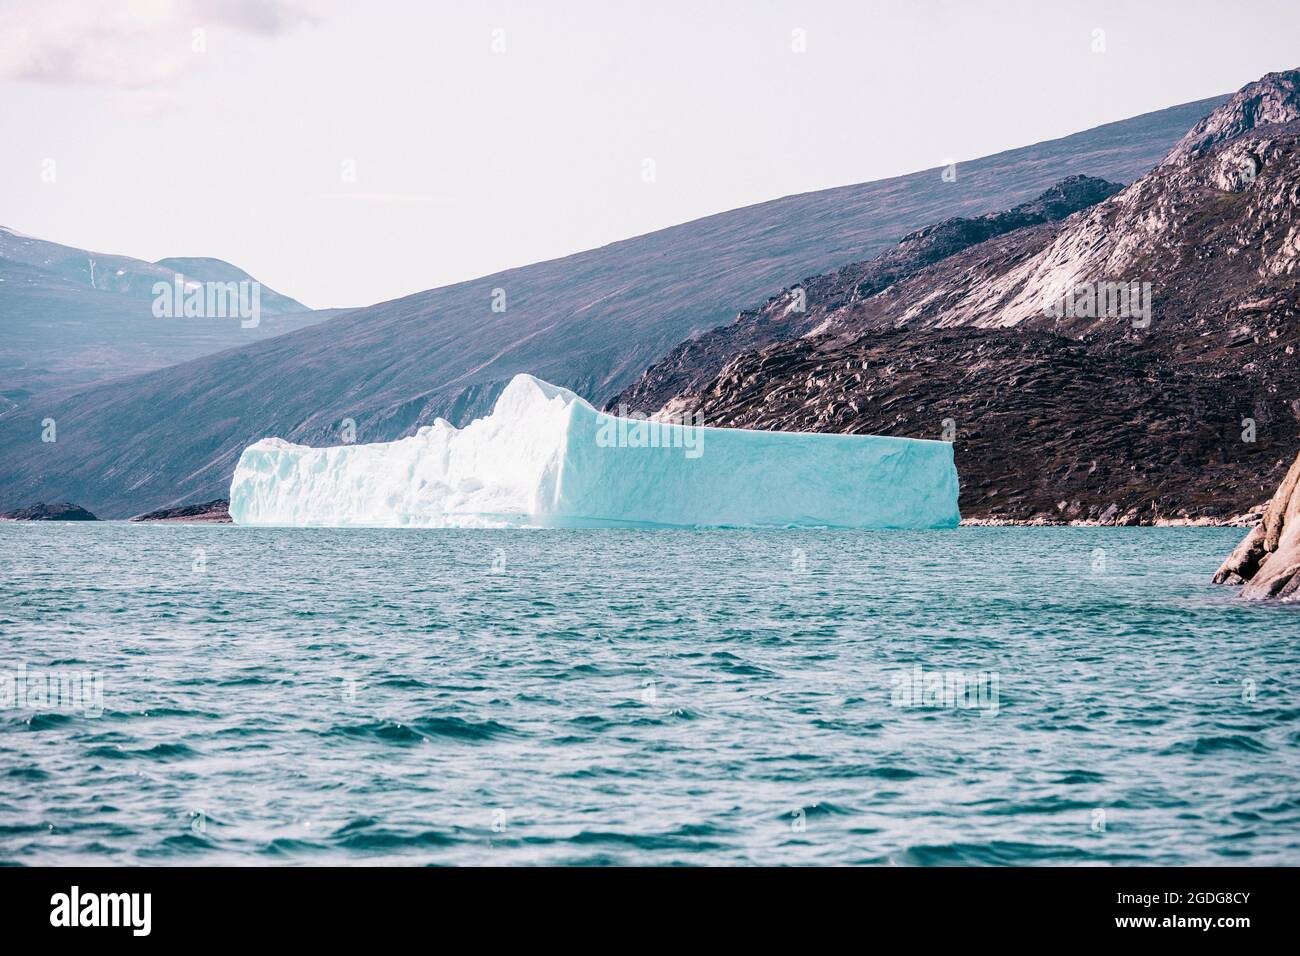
point(60, 511)
point(1267, 562)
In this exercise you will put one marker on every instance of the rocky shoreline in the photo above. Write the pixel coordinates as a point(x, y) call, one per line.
point(59, 511)
point(1241, 521)
point(216, 511)
point(1248, 519)
point(1267, 562)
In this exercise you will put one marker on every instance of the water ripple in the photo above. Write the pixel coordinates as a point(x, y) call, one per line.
point(672, 697)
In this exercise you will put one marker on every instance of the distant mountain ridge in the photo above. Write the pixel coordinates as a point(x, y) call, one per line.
point(591, 322)
point(124, 274)
point(71, 317)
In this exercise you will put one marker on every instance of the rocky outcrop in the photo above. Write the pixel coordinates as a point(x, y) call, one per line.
point(1270, 101)
point(60, 511)
point(1200, 236)
point(1267, 562)
point(215, 511)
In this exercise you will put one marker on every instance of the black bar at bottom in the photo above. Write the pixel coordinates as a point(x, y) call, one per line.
point(335, 905)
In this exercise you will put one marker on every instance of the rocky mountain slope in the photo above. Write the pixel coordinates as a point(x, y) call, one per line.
point(1059, 414)
point(71, 317)
point(807, 306)
point(1213, 231)
point(1047, 428)
point(1270, 101)
point(591, 322)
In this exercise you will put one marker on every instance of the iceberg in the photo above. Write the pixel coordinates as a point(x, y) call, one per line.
point(544, 457)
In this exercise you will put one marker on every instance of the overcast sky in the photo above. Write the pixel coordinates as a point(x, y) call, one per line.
point(484, 135)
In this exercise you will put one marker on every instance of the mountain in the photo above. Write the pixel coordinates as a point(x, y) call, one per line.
point(695, 362)
point(71, 317)
point(207, 269)
point(591, 322)
point(123, 274)
point(1063, 402)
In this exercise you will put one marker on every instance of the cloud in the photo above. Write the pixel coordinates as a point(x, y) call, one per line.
point(128, 44)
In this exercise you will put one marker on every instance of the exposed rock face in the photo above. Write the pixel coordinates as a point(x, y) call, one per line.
point(1270, 101)
point(61, 511)
point(1267, 562)
point(814, 302)
point(1046, 428)
point(215, 511)
point(1227, 213)
point(1092, 415)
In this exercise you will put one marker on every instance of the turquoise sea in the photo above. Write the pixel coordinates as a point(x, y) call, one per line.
point(977, 696)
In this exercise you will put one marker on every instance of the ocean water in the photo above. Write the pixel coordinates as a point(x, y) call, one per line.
point(323, 696)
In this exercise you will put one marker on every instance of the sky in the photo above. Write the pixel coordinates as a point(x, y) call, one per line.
point(346, 153)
